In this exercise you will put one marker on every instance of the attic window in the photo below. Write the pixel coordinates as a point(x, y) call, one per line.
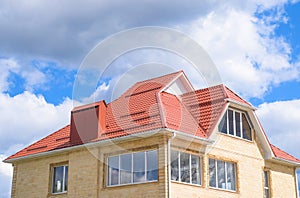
point(236, 123)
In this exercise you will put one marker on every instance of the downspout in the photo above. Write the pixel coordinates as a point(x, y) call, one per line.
point(169, 164)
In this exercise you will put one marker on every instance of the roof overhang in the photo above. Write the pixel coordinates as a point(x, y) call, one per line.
point(284, 161)
point(107, 142)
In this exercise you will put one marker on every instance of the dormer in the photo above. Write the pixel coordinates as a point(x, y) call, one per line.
point(178, 86)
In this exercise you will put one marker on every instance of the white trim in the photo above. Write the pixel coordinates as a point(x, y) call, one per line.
point(111, 141)
point(284, 161)
point(181, 135)
point(185, 82)
point(90, 144)
point(240, 104)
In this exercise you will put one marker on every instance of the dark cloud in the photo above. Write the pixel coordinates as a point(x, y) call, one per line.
point(64, 31)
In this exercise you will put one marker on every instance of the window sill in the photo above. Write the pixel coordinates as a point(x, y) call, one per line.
point(132, 184)
point(57, 194)
point(236, 137)
point(189, 184)
point(223, 190)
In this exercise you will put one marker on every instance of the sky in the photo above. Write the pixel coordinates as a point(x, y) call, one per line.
point(254, 44)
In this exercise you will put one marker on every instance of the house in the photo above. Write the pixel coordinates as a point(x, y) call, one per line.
point(161, 138)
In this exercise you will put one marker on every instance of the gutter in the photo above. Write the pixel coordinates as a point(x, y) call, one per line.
point(289, 162)
point(240, 104)
point(111, 141)
point(90, 144)
point(181, 135)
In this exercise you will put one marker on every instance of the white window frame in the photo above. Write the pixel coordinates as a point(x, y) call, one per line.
point(234, 124)
point(108, 183)
point(190, 166)
point(225, 169)
point(63, 180)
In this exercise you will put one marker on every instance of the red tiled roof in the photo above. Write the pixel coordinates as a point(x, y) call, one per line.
point(283, 155)
point(145, 107)
point(57, 140)
point(233, 96)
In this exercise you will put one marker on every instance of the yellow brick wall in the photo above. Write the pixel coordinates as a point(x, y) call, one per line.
point(282, 180)
point(87, 172)
point(249, 163)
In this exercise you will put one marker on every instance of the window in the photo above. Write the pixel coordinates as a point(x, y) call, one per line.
point(266, 185)
point(236, 123)
point(131, 168)
point(60, 179)
point(222, 174)
point(298, 181)
point(185, 167)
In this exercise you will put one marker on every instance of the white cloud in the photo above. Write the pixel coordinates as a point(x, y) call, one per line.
point(24, 119)
point(5, 178)
point(27, 117)
point(97, 94)
point(6, 66)
point(32, 76)
point(281, 123)
point(248, 55)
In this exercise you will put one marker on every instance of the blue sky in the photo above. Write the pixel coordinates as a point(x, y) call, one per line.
point(254, 44)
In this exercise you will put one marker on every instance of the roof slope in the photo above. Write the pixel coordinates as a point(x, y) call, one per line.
point(145, 106)
point(283, 155)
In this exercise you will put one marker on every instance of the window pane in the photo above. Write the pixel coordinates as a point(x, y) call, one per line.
point(125, 168)
point(212, 173)
point(267, 194)
point(266, 178)
point(223, 124)
point(152, 165)
point(66, 177)
point(113, 164)
point(230, 119)
point(195, 163)
point(230, 176)
point(237, 124)
point(246, 128)
point(139, 167)
point(221, 174)
point(298, 178)
point(58, 179)
point(174, 166)
point(185, 167)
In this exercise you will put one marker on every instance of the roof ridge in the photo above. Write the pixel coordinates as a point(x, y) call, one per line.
point(157, 77)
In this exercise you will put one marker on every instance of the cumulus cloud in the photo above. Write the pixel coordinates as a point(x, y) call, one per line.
point(27, 117)
point(281, 123)
point(248, 55)
point(5, 177)
point(24, 119)
point(32, 76)
point(66, 36)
